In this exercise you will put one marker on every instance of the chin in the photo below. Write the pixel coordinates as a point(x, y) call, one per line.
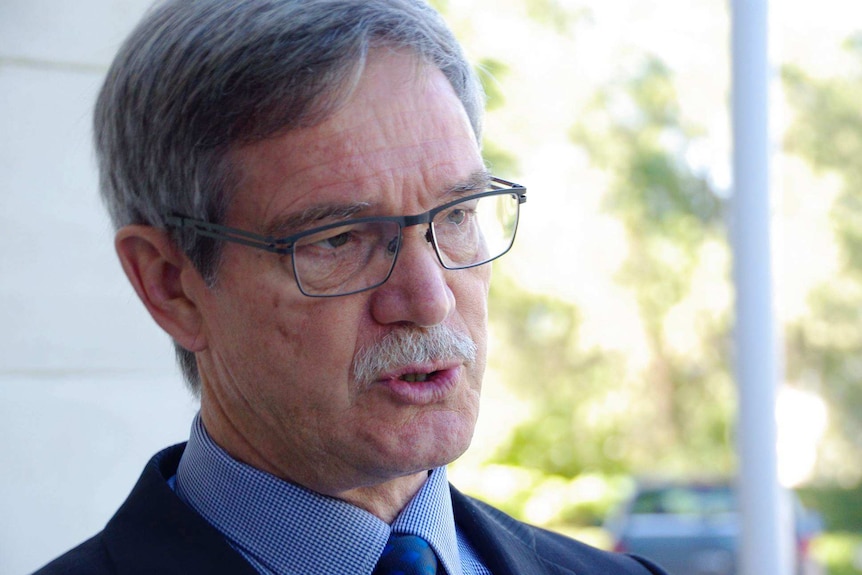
point(443, 442)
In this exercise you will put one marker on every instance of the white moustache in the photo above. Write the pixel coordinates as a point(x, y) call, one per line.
point(409, 347)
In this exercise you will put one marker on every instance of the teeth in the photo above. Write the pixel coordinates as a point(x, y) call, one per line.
point(415, 377)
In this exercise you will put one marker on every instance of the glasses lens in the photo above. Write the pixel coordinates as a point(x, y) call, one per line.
point(352, 257)
point(345, 259)
point(476, 231)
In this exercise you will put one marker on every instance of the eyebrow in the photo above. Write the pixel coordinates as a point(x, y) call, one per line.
point(295, 223)
point(477, 181)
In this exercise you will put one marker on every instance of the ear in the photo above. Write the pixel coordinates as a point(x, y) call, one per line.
point(165, 280)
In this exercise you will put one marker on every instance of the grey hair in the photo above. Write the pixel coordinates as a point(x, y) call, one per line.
point(199, 78)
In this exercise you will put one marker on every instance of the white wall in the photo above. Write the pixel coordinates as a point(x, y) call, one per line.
point(88, 386)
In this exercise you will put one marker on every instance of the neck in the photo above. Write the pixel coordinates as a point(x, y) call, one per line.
point(386, 500)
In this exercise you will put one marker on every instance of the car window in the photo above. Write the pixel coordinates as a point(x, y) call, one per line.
point(685, 501)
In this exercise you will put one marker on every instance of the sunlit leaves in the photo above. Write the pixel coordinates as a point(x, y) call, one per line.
point(825, 347)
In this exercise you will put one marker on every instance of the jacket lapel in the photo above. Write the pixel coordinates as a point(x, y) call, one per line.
point(505, 545)
point(155, 532)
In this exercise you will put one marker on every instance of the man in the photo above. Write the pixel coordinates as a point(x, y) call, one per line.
point(302, 205)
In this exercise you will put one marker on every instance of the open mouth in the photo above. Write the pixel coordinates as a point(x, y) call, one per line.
point(422, 387)
point(417, 377)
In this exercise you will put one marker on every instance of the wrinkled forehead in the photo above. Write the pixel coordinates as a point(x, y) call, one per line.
point(401, 130)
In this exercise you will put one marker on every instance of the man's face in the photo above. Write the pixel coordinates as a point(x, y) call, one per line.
point(277, 368)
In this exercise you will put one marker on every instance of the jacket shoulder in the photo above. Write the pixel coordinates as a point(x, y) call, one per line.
point(522, 548)
point(88, 558)
point(154, 532)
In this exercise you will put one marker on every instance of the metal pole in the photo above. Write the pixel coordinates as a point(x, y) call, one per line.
point(762, 545)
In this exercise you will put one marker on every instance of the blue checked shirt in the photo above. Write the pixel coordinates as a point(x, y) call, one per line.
point(284, 529)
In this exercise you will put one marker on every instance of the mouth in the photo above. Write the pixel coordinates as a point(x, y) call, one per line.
point(418, 377)
point(420, 386)
point(422, 373)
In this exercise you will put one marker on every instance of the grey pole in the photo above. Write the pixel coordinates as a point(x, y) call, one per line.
point(763, 543)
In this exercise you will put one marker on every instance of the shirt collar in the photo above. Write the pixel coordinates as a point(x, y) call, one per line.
point(292, 530)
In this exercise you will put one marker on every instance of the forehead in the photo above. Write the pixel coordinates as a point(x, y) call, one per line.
point(401, 134)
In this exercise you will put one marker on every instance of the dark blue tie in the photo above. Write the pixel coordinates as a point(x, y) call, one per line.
point(406, 555)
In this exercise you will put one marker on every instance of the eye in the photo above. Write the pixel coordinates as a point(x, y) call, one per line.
point(336, 241)
point(330, 241)
point(456, 216)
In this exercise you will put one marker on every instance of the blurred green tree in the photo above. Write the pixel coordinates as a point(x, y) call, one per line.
point(824, 349)
point(591, 410)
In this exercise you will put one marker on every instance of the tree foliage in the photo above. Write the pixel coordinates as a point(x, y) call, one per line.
point(592, 410)
point(577, 410)
point(491, 73)
point(825, 347)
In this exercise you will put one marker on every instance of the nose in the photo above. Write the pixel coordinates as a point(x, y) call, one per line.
point(417, 292)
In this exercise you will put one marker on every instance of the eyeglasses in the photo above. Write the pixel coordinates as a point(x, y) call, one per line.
point(359, 254)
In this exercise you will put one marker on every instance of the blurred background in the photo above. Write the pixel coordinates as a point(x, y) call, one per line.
point(610, 389)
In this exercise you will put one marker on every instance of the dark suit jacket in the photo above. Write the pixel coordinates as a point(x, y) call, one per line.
point(154, 532)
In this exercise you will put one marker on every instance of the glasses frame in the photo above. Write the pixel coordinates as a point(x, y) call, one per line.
point(284, 245)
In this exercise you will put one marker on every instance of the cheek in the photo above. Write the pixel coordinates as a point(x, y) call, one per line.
point(317, 338)
point(285, 334)
point(471, 296)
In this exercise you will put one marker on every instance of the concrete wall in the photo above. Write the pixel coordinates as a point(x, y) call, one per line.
point(88, 386)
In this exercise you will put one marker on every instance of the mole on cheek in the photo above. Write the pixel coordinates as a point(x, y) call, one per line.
point(282, 331)
point(287, 330)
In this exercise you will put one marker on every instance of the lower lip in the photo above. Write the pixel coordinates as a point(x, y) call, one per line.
point(432, 390)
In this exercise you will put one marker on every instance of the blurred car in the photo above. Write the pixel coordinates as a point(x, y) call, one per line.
point(692, 528)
